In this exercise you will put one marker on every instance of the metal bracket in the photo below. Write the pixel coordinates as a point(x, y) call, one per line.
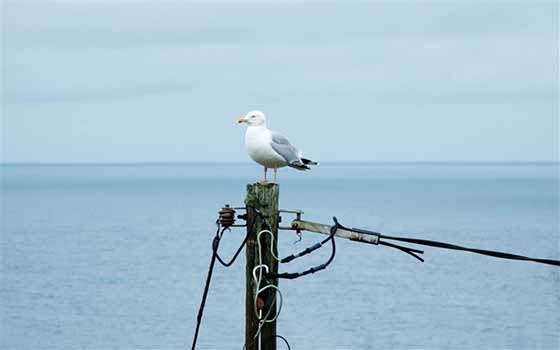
point(242, 216)
point(298, 214)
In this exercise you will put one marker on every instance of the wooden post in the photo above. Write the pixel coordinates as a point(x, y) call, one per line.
point(261, 198)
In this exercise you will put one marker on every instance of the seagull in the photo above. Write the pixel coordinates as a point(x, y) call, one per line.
point(269, 148)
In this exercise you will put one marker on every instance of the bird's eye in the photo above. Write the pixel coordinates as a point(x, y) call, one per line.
point(252, 116)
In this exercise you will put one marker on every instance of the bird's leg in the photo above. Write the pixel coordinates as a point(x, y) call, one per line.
point(265, 169)
point(275, 175)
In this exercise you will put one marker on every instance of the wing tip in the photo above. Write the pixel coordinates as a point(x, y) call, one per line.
point(306, 161)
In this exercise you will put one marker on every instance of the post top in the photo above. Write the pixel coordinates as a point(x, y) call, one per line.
point(261, 195)
point(263, 184)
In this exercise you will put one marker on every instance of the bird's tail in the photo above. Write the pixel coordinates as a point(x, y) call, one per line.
point(302, 164)
point(309, 162)
point(298, 166)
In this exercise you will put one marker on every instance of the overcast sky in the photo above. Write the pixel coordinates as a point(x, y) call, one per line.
point(109, 81)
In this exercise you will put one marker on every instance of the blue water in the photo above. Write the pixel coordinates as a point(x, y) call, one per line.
point(115, 257)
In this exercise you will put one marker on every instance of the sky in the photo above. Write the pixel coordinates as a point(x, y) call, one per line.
point(165, 81)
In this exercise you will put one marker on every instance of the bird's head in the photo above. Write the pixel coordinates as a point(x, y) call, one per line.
point(253, 118)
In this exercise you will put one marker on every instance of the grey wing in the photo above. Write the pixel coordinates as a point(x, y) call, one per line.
point(285, 149)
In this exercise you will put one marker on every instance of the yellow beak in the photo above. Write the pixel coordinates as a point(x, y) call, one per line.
point(242, 120)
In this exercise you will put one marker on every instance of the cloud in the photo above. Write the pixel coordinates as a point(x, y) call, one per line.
point(177, 23)
point(373, 61)
point(475, 68)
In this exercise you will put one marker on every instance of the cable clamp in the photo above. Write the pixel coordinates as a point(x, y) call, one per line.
point(373, 236)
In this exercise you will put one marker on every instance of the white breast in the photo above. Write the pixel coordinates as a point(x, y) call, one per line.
point(257, 142)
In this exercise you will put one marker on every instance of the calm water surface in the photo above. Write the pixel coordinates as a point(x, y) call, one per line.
point(115, 257)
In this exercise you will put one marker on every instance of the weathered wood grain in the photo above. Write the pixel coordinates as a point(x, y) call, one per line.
point(264, 198)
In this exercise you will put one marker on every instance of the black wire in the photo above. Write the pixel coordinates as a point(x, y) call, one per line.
point(404, 249)
point(495, 254)
point(443, 245)
point(215, 244)
point(306, 251)
point(216, 256)
point(285, 341)
point(229, 263)
point(277, 336)
point(294, 275)
point(411, 251)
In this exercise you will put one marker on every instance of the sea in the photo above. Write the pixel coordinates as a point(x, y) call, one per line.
point(115, 256)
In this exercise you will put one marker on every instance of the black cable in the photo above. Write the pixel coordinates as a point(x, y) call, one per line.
point(215, 244)
point(216, 256)
point(492, 253)
point(443, 245)
point(407, 250)
point(307, 250)
point(411, 251)
point(294, 275)
point(277, 336)
point(229, 263)
point(285, 341)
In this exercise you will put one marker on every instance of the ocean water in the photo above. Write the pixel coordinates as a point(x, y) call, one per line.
point(115, 257)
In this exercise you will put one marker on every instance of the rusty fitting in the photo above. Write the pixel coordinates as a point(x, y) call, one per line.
point(260, 303)
point(227, 216)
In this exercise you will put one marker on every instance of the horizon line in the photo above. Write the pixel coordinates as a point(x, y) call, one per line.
point(229, 162)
